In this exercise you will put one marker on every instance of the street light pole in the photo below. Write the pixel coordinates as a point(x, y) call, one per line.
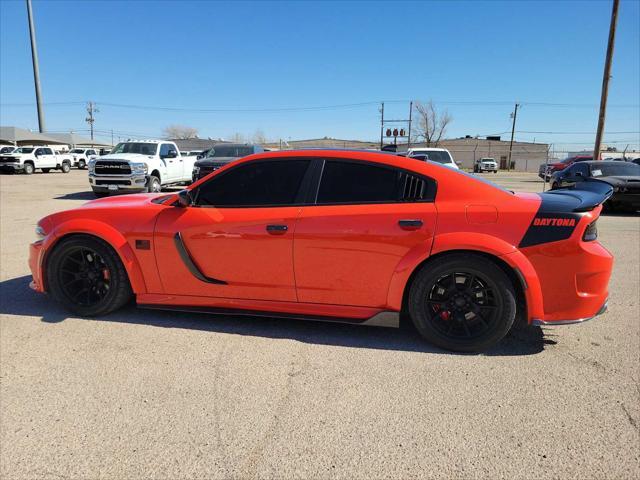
point(36, 68)
point(605, 79)
point(513, 131)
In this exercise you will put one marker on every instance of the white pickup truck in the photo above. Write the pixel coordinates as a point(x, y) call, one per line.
point(27, 159)
point(139, 166)
point(81, 156)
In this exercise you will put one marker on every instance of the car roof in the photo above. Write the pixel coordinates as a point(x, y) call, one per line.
point(605, 162)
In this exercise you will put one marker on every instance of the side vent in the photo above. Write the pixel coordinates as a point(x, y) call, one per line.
point(412, 188)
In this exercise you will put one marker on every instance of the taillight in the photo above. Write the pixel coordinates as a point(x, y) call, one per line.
point(591, 232)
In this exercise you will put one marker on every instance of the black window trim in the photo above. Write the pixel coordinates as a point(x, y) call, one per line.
point(305, 184)
point(310, 185)
point(428, 180)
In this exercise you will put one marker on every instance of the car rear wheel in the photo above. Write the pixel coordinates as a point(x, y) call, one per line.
point(81, 164)
point(87, 277)
point(462, 302)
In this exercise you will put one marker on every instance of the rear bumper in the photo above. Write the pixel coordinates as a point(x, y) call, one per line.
point(574, 280)
point(541, 323)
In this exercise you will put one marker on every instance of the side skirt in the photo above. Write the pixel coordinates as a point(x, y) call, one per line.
point(381, 319)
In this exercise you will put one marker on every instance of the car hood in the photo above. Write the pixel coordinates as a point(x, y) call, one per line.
point(126, 201)
point(205, 162)
point(127, 157)
point(621, 180)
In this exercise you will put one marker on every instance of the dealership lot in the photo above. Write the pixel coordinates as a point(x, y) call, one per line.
point(169, 395)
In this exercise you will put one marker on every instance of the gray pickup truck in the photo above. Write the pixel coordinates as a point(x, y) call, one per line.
point(220, 155)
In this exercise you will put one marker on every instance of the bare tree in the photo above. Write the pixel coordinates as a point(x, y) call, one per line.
point(259, 137)
point(237, 138)
point(180, 132)
point(431, 125)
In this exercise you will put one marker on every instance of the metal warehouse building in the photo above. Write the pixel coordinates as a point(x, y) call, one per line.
point(525, 156)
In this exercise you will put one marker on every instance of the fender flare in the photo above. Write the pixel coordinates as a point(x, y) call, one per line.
point(469, 241)
point(106, 233)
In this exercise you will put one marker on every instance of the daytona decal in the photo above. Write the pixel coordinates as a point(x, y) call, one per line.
point(550, 227)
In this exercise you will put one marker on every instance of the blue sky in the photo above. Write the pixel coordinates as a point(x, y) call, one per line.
point(473, 58)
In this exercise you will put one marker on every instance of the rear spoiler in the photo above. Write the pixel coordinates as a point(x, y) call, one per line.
point(582, 197)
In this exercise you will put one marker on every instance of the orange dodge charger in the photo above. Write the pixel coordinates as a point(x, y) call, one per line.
point(348, 236)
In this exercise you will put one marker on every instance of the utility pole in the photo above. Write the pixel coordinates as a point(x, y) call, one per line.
point(409, 133)
point(513, 131)
point(605, 79)
point(381, 125)
point(36, 68)
point(91, 109)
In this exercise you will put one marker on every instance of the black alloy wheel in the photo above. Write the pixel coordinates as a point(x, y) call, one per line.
point(462, 302)
point(86, 275)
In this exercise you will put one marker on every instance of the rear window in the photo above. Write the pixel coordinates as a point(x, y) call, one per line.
point(346, 182)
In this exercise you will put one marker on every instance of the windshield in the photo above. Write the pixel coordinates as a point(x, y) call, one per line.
point(77, 150)
point(229, 151)
point(434, 156)
point(136, 147)
point(6, 149)
point(24, 150)
point(615, 170)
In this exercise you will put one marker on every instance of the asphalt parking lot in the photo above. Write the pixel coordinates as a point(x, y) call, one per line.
point(167, 395)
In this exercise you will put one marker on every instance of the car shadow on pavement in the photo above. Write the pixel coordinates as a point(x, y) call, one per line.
point(77, 196)
point(16, 298)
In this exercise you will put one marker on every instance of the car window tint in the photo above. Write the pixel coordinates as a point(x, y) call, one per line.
point(255, 184)
point(348, 182)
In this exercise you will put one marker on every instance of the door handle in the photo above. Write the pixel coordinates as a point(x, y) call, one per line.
point(412, 224)
point(277, 229)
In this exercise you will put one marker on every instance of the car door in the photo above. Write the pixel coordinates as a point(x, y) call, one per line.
point(236, 241)
point(46, 158)
point(173, 167)
point(366, 220)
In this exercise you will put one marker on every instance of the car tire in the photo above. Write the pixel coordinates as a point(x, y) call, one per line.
point(81, 165)
point(65, 167)
point(555, 186)
point(153, 184)
point(468, 316)
point(46, 170)
point(28, 168)
point(87, 277)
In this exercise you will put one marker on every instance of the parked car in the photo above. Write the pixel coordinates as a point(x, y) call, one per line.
point(105, 151)
point(192, 153)
point(7, 149)
point(349, 236)
point(624, 177)
point(139, 166)
point(439, 155)
point(29, 158)
point(636, 161)
point(546, 171)
point(220, 155)
point(485, 165)
point(81, 156)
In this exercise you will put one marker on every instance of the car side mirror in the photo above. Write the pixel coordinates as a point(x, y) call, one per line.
point(578, 174)
point(172, 154)
point(184, 198)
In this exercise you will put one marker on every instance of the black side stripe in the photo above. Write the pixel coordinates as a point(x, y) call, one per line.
point(188, 261)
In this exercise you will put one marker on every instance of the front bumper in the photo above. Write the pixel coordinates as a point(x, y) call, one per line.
point(11, 167)
point(116, 183)
point(541, 323)
point(626, 198)
point(36, 257)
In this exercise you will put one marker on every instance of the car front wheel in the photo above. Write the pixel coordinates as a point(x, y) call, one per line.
point(153, 184)
point(86, 276)
point(462, 302)
point(65, 167)
point(28, 169)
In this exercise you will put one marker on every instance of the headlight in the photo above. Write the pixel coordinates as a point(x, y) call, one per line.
point(92, 166)
point(40, 233)
point(139, 168)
